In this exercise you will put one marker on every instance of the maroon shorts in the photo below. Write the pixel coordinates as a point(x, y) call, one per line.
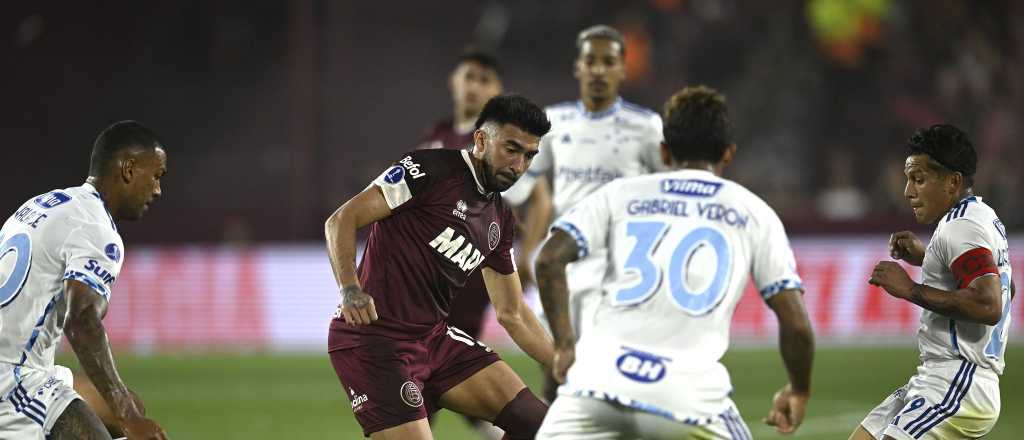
point(390, 382)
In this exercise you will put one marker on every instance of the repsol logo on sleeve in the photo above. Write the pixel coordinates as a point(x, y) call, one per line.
point(94, 267)
point(690, 187)
point(412, 167)
point(457, 249)
point(641, 366)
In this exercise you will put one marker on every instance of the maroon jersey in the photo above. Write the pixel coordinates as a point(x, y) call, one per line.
point(443, 226)
point(444, 135)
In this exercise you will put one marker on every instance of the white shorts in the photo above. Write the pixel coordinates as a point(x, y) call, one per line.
point(29, 407)
point(572, 418)
point(952, 399)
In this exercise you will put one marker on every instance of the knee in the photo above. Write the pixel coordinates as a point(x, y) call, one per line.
point(521, 417)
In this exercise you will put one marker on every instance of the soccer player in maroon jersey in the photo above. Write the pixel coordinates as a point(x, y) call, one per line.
point(435, 217)
point(475, 80)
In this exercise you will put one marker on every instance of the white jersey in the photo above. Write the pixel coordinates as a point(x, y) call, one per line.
point(681, 246)
point(970, 225)
point(61, 235)
point(584, 150)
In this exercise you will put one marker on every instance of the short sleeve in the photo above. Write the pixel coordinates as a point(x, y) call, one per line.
point(503, 259)
point(651, 153)
point(588, 221)
point(405, 179)
point(965, 249)
point(92, 255)
point(774, 264)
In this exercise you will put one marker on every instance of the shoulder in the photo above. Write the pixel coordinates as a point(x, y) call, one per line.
point(639, 110)
point(434, 163)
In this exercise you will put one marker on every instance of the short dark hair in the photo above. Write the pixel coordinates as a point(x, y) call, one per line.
point(697, 125)
point(515, 110)
point(948, 147)
point(482, 58)
point(117, 137)
point(601, 31)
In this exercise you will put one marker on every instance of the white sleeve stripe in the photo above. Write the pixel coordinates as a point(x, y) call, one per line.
point(88, 281)
point(574, 232)
point(395, 194)
point(778, 286)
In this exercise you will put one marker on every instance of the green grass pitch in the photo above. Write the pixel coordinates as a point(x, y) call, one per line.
point(275, 396)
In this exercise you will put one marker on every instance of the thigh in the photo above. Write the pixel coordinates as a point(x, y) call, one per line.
point(383, 382)
point(484, 394)
point(35, 399)
point(580, 418)
point(78, 422)
point(414, 430)
point(935, 406)
point(879, 418)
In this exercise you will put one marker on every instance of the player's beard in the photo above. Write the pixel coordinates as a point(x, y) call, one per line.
point(492, 181)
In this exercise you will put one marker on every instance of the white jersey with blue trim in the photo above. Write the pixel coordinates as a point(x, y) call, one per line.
point(61, 235)
point(680, 248)
point(585, 150)
point(971, 224)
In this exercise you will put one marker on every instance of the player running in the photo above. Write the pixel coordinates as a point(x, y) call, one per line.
point(965, 293)
point(680, 247)
point(593, 141)
point(60, 254)
point(436, 216)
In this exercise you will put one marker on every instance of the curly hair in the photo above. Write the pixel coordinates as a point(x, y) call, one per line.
point(697, 125)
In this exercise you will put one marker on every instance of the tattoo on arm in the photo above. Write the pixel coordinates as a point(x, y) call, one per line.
point(354, 297)
point(559, 251)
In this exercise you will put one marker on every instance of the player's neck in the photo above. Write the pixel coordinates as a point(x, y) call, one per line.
point(463, 117)
point(596, 105)
point(106, 193)
point(962, 194)
point(702, 165)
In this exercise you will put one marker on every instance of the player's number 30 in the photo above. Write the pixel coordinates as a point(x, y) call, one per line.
point(648, 236)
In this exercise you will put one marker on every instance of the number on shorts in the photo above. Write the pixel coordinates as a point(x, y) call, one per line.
point(21, 246)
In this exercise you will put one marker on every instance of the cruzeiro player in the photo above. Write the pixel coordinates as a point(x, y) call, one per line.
point(965, 293)
point(681, 246)
point(593, 141)
point(60, 254)
point(435, 217)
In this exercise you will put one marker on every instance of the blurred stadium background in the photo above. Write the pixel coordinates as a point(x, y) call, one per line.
point(275, 112)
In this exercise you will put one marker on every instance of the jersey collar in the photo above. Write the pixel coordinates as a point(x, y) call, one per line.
point(92, 190)
point(472, 170)
point(598, 115)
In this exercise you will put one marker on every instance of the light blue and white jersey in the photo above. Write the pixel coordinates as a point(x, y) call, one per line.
point(584, 150)
point(61, 235)
point(681, 246)
point(970, 225)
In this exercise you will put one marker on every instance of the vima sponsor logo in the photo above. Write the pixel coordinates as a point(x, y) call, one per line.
point(457, 249)
point(641, 366)
point(690, 187)
point(413, 167)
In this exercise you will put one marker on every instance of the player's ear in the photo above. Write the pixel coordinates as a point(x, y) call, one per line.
point(730, 153)
point(479, 142)
point(127, 169)
point(666, 155)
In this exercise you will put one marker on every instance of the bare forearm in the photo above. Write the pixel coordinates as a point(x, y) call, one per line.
point(529, 335)
point(341, 247)
point(796, 343)
point(88, 339)
point(962, 304)
point(554, 297)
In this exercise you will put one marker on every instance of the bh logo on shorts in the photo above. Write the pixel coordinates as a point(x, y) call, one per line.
point(493, 235)
point(641, 366)
point(411, 394)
